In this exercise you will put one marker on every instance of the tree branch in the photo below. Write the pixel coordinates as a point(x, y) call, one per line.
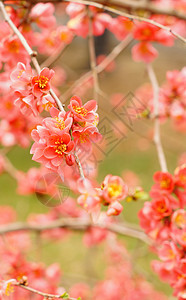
point(92, 55)
point(144, 5)
point(45, 295)
point(129, 16)
point(157, 139)
point(77, 224)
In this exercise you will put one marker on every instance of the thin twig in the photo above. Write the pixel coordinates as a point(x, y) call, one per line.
point(129, 16)
point(142, 5)
point(54, 57)
point(92, 54)
point(45, 295)
point(101, 67)
point(77, 224)
point(157, 139)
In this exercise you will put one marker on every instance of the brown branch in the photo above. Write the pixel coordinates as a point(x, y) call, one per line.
point(157, 138)
point(77, 224)
point(45, 295)
point(129, 16)
point(143, 5)
point(92, 54)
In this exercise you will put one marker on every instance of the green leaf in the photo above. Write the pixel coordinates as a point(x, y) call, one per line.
point(65, 295)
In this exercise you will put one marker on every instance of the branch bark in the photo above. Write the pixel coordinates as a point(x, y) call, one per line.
point(157, 138)
point(77, 224)
point(129, 16)
point(142, 5)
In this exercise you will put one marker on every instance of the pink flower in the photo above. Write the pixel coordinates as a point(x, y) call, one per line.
point(114, 209)
point(85, 136)
point(145, 32)
point(164, 183)
point(59, 123)
point(42, 14)
point(179, 219)
point(169, 252)
point(7, 287)
point(50, 148)
point(80, 112)
point(89, 198)
point(113, 189)
point(180, 176)
point(41, 83)
point(144, 51)
point(162, 207)
point(121, 27)
point(79, 22)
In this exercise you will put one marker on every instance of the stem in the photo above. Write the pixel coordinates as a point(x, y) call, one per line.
point(78, 224)
point(129, 16)
point(45, 295)
point(157, 139)
point(92, 54)
point(79, 166)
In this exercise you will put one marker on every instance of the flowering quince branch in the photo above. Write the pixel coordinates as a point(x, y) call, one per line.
point(35, 62)
point(29, 50)
point(129, 16)
point(10, 284)
point(62, 137)
point(92, 54)
point(143, 5)
point(78, 225)
point(157, 139)
point(146, 6)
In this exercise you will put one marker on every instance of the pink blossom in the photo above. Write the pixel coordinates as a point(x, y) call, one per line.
point(41, 83)
point(113, 189)
point(89, 198)
point(144, 51)
point(80, 112)
point(42, 14)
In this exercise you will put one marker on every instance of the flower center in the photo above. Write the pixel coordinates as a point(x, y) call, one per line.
point(60, 148)
point(164, 184)
point(59, 123)
point(161, 208)
point(83, 137)
point(180, 220)
point(114, 190)
point(9, 289)
point(42, 81)
point(80, 110)
point(13, 47)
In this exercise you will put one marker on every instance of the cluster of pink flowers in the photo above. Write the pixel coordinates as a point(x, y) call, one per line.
point(143, 32)
point(31, 92)
point(112, 191)
point(118, 280)
point(119, 283)
point(172, 98)
point(64, 133)
point(164, 220)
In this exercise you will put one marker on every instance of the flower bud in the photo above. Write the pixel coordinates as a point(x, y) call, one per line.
point(70, 159)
